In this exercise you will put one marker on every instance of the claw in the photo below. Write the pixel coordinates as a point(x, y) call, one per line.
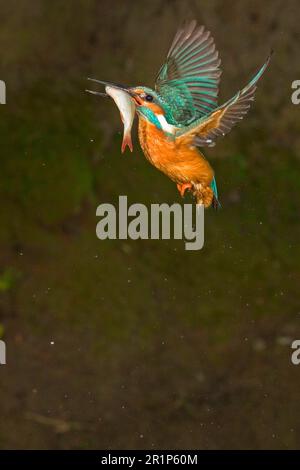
point(182, 188)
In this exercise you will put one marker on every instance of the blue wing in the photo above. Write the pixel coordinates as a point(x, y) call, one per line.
point(189, 80)
point(206, 130)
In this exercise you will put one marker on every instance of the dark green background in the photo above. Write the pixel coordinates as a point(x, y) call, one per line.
point(154, 347)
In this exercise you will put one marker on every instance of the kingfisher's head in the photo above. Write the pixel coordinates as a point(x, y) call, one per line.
point(147, 98)
point(150, 106)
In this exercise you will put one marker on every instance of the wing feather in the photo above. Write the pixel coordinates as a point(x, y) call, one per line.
point(205, 131)
point(189, 80)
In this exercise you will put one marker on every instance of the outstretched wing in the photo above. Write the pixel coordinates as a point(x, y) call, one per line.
point(189, 79)
point(205, 131)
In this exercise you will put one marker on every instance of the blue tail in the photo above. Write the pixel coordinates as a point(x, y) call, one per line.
point(216, 203)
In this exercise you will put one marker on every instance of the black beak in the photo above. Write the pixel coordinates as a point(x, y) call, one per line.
point(112, 84)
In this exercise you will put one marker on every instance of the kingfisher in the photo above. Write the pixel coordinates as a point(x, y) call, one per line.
point(181, 115)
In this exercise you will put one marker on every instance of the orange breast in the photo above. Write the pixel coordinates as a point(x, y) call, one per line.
point(180, 162)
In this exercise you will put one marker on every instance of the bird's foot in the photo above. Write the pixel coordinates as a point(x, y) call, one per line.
point(182, 188)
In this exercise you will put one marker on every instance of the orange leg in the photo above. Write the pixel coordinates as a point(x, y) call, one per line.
point(183, 187)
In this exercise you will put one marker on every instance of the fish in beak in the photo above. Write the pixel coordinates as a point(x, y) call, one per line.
point(123, 98)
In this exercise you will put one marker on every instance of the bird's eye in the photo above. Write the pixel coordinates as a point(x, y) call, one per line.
point(149, 98)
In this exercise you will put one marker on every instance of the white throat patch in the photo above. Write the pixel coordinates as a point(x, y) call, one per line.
point(165, 125)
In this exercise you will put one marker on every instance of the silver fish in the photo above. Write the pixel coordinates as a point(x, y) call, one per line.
point(127, 111)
